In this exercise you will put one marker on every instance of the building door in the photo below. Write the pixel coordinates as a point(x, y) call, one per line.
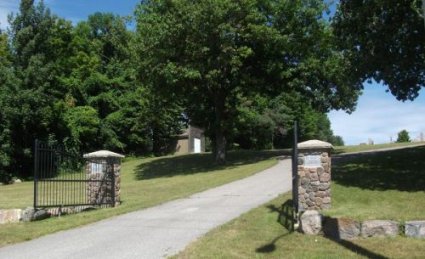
point(197, 146)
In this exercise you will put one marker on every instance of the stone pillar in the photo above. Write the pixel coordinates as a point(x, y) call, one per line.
point(314, 175)
point(103, 169)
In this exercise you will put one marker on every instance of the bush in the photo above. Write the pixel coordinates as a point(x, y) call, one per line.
point(403, 136)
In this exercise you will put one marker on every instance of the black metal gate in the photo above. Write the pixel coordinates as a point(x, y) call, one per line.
point(62, 179)
point(295, 172)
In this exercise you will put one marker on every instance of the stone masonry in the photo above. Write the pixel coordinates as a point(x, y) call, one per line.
point(10, 216)
point(102, 167)
point(415, 229)
point(314, 172)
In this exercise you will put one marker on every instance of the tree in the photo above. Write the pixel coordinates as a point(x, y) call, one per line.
point(337, 141)
point(256, 122)
point(77, 86)
point(264, 122)
point(103, 78)
point(403, 136)
point(39, 42)
point(8, 82)
point(213, 54)
point(384, 41)
point(83, 123)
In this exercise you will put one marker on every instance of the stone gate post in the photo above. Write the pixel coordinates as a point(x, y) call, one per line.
point(314, 175)
point(103, 169)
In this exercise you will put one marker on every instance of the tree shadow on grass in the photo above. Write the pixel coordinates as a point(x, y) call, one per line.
point(331, 232)
point(198, 163)
point(286, 219)
point(402, 170)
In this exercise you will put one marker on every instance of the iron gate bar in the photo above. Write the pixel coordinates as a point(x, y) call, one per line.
point(35, 172)
point(60, 179)
point(295, 172)
point(73, 181)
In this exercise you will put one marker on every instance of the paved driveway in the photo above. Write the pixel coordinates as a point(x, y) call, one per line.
point(163, 230)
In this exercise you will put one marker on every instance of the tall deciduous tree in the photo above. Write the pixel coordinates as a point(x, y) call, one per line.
point(8, 83)
point(384, 40)
point(265, 122)
point(211, 53)
point(103, 81)
point(75, 85)
point(39, 46)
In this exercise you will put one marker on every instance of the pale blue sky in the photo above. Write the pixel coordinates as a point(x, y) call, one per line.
point(73, 10)
point(379, 116)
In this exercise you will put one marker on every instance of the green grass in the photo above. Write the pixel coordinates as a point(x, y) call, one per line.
point(18, 195)
point(260, 234)
point(360, 148)
point(144, 183)
point(387, 185)
point(383, 185)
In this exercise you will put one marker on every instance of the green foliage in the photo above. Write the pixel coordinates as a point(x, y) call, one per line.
point(403, 136)
point(39, 42)
point(7, 81)
point(76, 85)
point(265, 123)
point(337, 141)
point(383, 40)
point(256, 123)
point(103, 77)
point(244, 71)
point(216, 54)
point(84, 124)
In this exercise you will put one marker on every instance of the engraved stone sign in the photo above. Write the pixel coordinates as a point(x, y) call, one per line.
point(312, 161)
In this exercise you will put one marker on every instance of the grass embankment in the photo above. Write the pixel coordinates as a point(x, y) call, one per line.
point(260, 234)
point(144, 183)
point(382, 185)
point(362, 148)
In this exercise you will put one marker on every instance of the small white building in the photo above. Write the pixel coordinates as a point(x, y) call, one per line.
point(192, 140)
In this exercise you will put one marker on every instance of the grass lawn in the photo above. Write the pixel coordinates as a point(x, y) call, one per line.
point(382, 185)
point(144, 183)
point(386, 185)
point(260, 234)
point(359, 148)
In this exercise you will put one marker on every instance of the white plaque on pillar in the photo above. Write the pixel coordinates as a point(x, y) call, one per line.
point(312, 161)
point(96, 168)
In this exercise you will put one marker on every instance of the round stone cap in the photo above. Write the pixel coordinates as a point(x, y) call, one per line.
point(314, 144)
point(103, 154)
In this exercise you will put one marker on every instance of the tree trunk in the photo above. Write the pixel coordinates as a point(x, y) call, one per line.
point(219, 129)
point(220, 146)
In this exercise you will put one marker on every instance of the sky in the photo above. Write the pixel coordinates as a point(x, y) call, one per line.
point(378, 116)
point(73, 10)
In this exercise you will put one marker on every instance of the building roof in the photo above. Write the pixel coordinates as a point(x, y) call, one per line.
point(185, 133)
